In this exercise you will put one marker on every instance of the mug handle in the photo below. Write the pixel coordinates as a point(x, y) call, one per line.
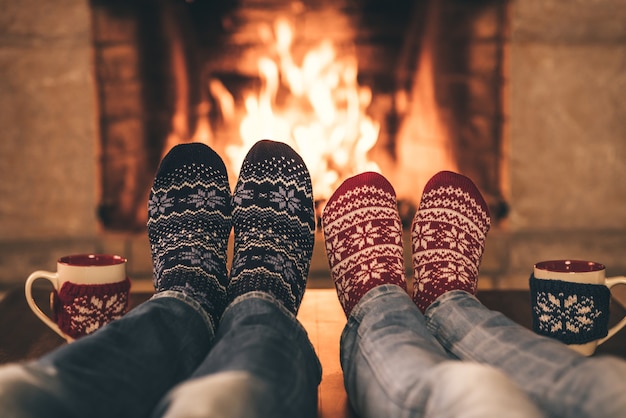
point(51, 277)
point(610, 282)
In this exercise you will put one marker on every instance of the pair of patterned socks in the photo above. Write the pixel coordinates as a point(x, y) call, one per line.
point(363, 237)
point(191, 212)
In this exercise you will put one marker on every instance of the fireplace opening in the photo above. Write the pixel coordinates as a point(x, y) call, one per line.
point(406, 88)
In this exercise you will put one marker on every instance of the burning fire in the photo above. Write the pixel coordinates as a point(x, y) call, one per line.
point(322, 116)
point(319, 109)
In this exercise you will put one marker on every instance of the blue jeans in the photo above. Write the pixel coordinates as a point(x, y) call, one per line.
point(463, 360)
point(164, 359)
point(560, 381)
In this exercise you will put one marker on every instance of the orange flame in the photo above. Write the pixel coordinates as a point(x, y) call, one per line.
point(323, 117)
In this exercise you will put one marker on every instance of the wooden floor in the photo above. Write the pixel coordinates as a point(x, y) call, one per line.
point(323, 318)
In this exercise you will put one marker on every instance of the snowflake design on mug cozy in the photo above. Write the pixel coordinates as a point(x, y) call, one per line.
point(559, 313)
point(82, 309)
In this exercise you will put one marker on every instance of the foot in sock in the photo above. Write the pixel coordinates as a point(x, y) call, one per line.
point(274, 225)
point(448, 236)
point(363, 237)
point(189, 224)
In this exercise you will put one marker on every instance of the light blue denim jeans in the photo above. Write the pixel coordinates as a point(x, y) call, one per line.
point(394, 367)
point(560, 381)
point(461, 359)
point(163, 358)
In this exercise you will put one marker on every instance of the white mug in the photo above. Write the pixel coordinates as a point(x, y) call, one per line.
point(90, 290)
point(571, 298)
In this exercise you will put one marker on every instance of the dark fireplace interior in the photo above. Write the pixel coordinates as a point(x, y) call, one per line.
point(417, 86)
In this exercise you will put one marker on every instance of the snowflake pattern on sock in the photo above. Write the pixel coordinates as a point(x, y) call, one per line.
point(448, 236)
point(363, 237)
point(274, 225)
point(573, 313)
point(189, 222)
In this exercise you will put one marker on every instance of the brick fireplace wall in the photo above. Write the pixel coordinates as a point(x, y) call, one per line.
point(563, 155)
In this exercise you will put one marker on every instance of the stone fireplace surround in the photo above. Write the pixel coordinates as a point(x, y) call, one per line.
point(564, 157)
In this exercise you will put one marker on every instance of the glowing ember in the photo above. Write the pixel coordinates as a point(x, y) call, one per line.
point(323, 116)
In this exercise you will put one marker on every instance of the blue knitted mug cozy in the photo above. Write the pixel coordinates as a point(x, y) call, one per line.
point(573, 313)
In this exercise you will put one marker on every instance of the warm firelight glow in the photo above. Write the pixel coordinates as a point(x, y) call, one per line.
point(319, 109)
point(322, 117)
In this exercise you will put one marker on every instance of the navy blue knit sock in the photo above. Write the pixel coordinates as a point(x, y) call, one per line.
point(274, 224)
point(189, 224)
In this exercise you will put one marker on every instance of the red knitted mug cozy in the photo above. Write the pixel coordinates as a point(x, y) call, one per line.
point(81, 309)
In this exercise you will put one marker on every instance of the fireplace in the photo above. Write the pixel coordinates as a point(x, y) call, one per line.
point(352, 86)
point(524, 97)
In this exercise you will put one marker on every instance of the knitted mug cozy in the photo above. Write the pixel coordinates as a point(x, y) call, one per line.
point(573, 313)
point(81, 309)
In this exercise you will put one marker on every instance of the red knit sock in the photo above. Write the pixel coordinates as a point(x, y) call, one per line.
point(448, 235)
point(363, 236)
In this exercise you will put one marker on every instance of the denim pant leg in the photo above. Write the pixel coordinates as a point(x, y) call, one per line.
point(121, 370)
point(262, 365)
point(561, 381)
point(394, 367)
